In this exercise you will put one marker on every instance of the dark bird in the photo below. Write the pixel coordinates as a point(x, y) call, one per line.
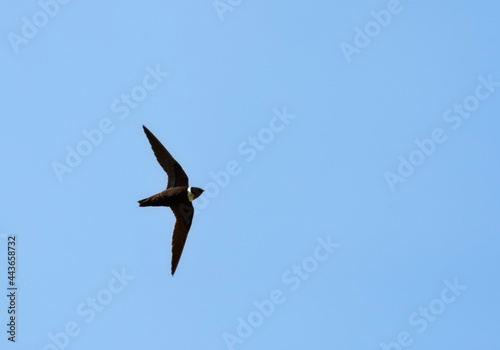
point(178, 196)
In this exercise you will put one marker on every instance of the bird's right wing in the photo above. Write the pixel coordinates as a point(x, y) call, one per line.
point(176, 176)
point(183, 218)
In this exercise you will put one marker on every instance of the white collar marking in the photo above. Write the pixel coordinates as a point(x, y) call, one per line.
point(190, 195)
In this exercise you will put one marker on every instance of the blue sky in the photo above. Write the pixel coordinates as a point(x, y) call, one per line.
point(349, 154)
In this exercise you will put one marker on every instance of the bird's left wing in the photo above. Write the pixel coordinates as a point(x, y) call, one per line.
point(184, 216)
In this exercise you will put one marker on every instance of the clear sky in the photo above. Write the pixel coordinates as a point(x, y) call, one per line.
point(349, 152)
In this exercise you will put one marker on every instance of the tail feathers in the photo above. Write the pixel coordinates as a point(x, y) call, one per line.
point(154, 201)
point(145, 202)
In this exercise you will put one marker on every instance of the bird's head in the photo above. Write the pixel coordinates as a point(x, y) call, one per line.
point(194, 192)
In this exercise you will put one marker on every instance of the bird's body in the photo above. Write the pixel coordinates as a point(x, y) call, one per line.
point(171, 196)
point(178, 196)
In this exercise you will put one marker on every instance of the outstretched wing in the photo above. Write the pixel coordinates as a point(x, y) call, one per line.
point(183, 218)
point(176, 176)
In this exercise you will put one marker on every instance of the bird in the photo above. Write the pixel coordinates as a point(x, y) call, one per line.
point(178, 196)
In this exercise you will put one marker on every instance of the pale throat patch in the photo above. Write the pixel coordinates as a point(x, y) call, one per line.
point(190, 195)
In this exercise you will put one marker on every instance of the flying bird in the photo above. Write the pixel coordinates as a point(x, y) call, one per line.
point(178, 196)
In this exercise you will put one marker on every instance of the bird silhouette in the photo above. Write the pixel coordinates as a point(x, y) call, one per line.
point(178, 196)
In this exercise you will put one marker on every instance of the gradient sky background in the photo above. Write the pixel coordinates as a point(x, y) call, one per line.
point(321, 176)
